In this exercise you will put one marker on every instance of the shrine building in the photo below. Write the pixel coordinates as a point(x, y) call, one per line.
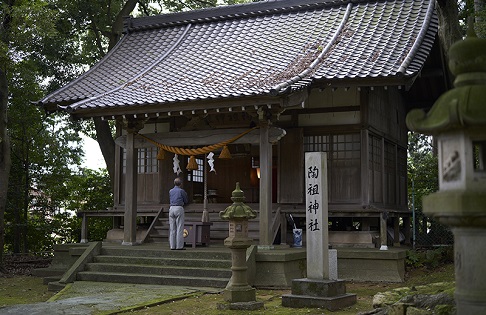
point(240, 93)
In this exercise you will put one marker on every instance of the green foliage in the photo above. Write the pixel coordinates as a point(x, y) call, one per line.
point(476, 10)
point(430, 258)
point(88, 190)
point(98, 227)
point(44, 232)
point(422, 168)
point(91, 190)
point(413, 259)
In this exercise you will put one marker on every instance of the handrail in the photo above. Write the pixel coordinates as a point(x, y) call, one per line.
point(276, 223)
point(152, 225)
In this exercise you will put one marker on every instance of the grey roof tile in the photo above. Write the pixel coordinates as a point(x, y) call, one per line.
point(255, 49)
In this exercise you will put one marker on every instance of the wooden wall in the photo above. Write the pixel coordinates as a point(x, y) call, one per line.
point(228, 172)
point(363, 132)
point(291, 167)
point(387, 145)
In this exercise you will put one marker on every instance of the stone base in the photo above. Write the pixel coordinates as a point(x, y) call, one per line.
point(239, 295)
point(117, 235)
point(329, 294)
point(359, 264)
point(275, 269)
point(245, 306)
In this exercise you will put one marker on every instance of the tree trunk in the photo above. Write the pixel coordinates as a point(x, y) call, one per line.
point(103, 130)
point(480, 18)
point(449, 29)
point(5, 161)
point(479, 5)
point(25, 212)
point(107, 146)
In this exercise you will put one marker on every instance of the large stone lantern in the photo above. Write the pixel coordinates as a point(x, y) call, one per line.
point(458, 121)
point(238, 292)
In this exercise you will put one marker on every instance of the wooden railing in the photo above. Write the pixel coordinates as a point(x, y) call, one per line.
point(152, 225)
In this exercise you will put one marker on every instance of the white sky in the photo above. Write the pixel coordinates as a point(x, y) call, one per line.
point(93, 158)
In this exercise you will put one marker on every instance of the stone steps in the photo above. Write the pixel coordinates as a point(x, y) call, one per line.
point(190, 267)
point(153, 261)
point(160, 270)
point(64, 257)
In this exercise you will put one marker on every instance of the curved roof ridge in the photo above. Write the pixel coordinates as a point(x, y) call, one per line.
point(276, 89)
point(82, 76)
point(226, 12)
point(131, 81)
point(420, 38)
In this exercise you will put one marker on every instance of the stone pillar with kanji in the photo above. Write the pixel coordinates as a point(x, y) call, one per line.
point(319, 289)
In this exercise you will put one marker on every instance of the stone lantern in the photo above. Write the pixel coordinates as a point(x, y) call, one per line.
point(458, 121)
point(238, 293)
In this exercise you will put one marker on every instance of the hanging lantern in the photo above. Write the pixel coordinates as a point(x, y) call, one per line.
point(192, 165)
point(161, 154)
point(225, 153)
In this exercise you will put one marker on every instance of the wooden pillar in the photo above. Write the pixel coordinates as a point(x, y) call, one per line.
point(130, 217)
point(383, 231)
point(265, 186)
point(84, 229)
point(283, 229)
point(396, 231)
point(118, 169)
point(384, 214)
point(406, 230)
point(365, 169)
point(365, 224)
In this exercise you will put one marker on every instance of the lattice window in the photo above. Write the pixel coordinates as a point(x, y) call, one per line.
point(346, 147)
point(376, 168)
point(375, 153)
point(147, 160)
point(390, 172)
point(316, 144)
point(344, 163)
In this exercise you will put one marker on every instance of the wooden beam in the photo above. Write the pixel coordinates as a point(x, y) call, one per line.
point(322, 110)
point(222, 105)
point(202, 137)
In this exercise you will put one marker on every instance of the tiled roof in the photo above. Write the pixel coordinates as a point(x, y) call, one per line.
point(263, 49)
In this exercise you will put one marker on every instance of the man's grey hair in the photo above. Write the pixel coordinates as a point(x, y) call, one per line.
point(177, 181)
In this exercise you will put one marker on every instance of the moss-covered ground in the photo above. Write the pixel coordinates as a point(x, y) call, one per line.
point(27, 289)
point(22, 290)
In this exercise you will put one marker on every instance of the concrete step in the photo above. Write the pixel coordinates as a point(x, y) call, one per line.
point(169, 261)
point(224, 273)
point(208, 267)
point(222, 253)
point(152, 279)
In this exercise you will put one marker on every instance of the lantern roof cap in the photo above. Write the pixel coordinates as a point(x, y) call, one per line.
point(462, 107)
point(238, 210)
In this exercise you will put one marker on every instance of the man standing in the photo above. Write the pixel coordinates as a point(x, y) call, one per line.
point(178, 198)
